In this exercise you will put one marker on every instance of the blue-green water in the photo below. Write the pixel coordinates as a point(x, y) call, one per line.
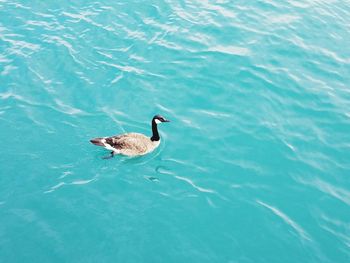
point(254, 166)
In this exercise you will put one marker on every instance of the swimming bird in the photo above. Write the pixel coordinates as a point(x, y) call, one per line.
point(132, 144)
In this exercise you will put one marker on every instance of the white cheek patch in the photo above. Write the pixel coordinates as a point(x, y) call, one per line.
point(157, 121)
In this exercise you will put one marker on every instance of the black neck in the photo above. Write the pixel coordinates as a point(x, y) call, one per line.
point(155, 134)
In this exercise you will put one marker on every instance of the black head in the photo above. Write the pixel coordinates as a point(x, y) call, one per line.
point(158, 119)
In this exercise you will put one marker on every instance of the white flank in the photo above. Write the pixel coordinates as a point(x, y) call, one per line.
point(109, 147)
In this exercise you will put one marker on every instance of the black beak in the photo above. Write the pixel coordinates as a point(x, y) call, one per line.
point(165, 120)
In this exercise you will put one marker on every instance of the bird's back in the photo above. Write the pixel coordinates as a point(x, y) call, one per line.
point(132, 144)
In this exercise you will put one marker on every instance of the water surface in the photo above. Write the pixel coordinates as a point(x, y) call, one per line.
point(254, 166)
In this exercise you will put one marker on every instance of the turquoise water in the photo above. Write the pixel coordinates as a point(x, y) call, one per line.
point(254, 166)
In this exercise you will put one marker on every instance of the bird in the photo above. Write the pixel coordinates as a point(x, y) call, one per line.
point(132, 144)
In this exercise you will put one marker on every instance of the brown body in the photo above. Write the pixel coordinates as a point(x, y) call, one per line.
point(130, 144)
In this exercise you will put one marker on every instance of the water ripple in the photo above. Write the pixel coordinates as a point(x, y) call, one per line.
point(123, 68)
point(67, 109)
point(337, 192)
point(200, 189)
point(301, 232)
point(231, 50)
point(76, 182)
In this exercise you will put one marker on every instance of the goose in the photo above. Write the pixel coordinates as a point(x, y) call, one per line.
point(132, 144)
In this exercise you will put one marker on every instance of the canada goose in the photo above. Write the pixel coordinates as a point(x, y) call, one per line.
point(132, 144)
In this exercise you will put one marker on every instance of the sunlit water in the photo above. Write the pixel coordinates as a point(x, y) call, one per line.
point(254, 166)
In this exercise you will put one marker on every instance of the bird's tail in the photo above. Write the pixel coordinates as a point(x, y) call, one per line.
point(97, 141)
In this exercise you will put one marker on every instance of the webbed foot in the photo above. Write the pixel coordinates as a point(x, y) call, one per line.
point(109, 156)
